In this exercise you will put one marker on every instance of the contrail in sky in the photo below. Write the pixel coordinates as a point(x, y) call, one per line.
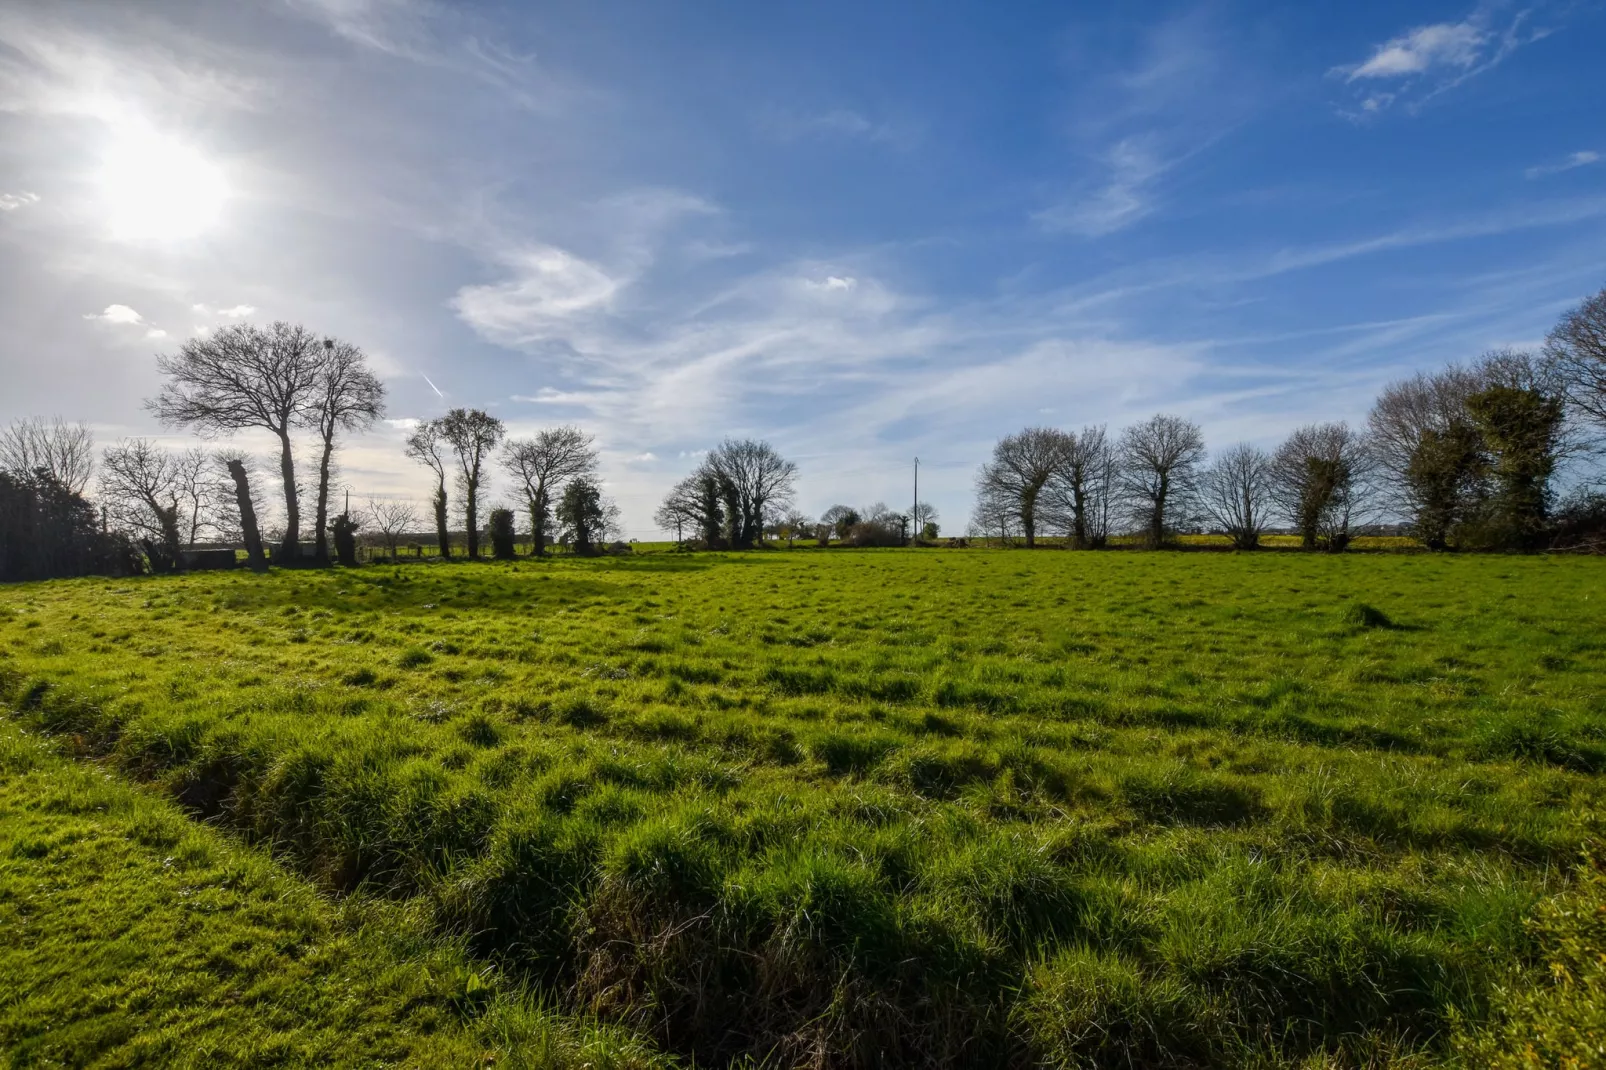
point(433, 387)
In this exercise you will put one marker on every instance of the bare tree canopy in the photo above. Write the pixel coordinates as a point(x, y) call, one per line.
point(240, 377)
point(472, 434)
point(542, 465)
point(1319, 477)
point(345, 396)
point(65, 451)
point(755, 481)
point(1235, 492)
point(427, 446)
point(1576, 349)
point(139, 488)
point(1079, 496)
point(1021, 466)
point(392, 519)
point(1159, 471)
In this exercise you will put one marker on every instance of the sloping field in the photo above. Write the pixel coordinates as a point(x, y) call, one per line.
point(858, 808)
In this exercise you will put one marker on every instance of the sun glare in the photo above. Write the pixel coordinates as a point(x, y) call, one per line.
point(158, 188)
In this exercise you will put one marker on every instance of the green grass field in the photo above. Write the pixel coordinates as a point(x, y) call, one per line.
point(847, 808)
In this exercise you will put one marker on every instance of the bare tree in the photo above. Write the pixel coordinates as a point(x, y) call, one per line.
point(193, 476)
point(1077, 497)
point(923, 514)
point(1576, 349)
point(139, 488)
point(346, 396)
point(1159, 471)
point(755, 480)
point(241, 377)
point(427, 446)
point(543, 464)
point(1319, 477)
point(1235, 492)
point(472, 434)
point(66, 451)
point(995, 514)
point(1021, 467)
point(393, 519)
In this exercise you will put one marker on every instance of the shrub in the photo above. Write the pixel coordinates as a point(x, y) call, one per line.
point(502, 534)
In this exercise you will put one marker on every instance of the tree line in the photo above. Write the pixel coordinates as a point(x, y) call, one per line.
point(1466, 457)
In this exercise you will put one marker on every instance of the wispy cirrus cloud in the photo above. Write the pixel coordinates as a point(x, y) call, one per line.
point(846, 124)
point(1574, 160)
point(10, 202)
point(1134, 123)
point(1426, 61)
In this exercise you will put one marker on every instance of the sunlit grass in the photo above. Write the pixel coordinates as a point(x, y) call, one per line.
point(964, 806)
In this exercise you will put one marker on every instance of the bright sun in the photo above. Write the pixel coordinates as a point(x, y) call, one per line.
point(157, 188)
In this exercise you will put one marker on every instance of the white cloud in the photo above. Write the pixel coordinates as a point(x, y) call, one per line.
point(236, 312)
point(155, 332)
point(643, 458)
point(549, 287)
point(833, 282)
point(405, 423)
point(1454, 44)
point(10, 202)
point(1429, 60)
point(1577, 159)
point(116, 314)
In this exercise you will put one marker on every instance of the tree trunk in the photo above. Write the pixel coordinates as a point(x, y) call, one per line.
point(471, 515)
point(1157, 523)
point(321, 520)
point(442, 533)
point(291, 550)
point(538, 512)
point(248, 518)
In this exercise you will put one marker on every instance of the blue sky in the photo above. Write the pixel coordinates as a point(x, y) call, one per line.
point(865, 232)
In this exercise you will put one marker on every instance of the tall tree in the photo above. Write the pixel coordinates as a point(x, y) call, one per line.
point(345, 396)
point(1235, 492)
point(1445, 480)
point(1521, 429)
point(1317, 478)
point(1159, 471)
point(427, 445)
point(242, 377)
point(1079, 495)
point(543, 464)
point(754, 481)
point(65, 451)
point(1021, 467)
point(472, 434)
point(1576, 349)
point(139, 487)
